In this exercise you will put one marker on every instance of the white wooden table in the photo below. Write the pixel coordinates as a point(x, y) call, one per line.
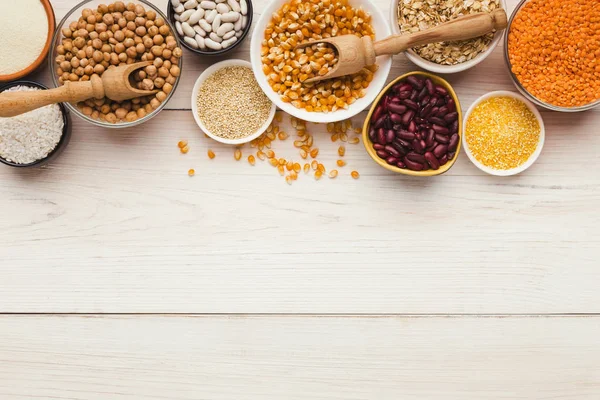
point(123, 278)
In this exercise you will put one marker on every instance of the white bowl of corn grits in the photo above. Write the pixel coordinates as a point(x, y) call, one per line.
point(380, 28)
point(503, 133)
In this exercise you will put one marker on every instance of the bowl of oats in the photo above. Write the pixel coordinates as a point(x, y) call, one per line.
point(409, 16)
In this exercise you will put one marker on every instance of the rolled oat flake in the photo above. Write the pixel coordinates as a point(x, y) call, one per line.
point(30, 137)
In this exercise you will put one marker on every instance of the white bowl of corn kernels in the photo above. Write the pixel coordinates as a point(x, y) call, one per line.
point(326, 101)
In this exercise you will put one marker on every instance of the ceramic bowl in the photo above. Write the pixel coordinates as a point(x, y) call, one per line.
point(369, 145)
point(194, 104)
point(73, 15)
point(64, 139)
point(38, 61)
point(522, 89)
point(534, 156)
point(171, 16)
point(382, 30)
point(438, 68)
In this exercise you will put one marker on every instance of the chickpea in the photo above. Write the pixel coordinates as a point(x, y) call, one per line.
point(114, 59)
point(151, 15)
point(140, 30)
point(140, 48)
point(98, 56)
point(158, 39)
point(148, 108)
point(85, 78)
point(171, 79)
point(129, 34)
point(129, 16)
point(68, 56)
point(167, 88)
point(159, 22)
point(121, 113)
point(68, 46)
point(119, 48)
point(84, 62)
point(81, 24)
point(131, 26)
point(159, 82)
point(101, 27)
point(88, 70)
point(94, 35)
point(148, 43)
point(164, 30)
point(154, 103)
point(89, 52)
point(102, 8)
point(147, 84)
point(105, 109)
point(131, 52)
point(163, 72)
point(95, 114)
point(99, 102)
point(81, 54)
point(103, 36)
point(59, 58)
point(86, 12)
point(167, 64)
point(171, 44)
point(149, 56)
point(119, 6)
point(151, 70)
point(141, 112)
point(59, 71)
point(161, 96)
point(119, 36)
point(158, 62)
point(131, 116)
point(97, 44)
point(87, 110)
point(73, 77)
point(79, 42)
point(65, 66)
point(177, 52)
point(65, 76)
point(128, 42)
point(122, 57)
point(142, 75)
point(122, 23)
point(73, 26)
point(108, 19)
point(89, 28)
point(153, 31)
point(79, 71)
point(67, 32)
point(140, 21)
point(156, 50)
point(167, 54)
point(149, 24)
point(111, 118)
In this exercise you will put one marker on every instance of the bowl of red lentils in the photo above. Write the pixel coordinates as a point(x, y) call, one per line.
point(281, 70)
point(503, 133)
point(552, 50)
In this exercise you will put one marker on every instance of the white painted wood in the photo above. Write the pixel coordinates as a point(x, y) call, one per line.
point(116, 225)
point(89, 358)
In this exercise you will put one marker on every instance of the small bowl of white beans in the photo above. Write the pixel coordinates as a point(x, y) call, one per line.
point(210, 27)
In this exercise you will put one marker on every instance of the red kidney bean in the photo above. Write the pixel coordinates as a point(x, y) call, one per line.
point(442, 112)
point(413, 95)
point(397, 108)
point(380, 121)
point(430, 138)
point(418, 158)
point(442, 138)
point(401, 149)
point(381, 136)
point(404, 94)
point(440, 150)
point(425, 100)
point(419, 121)
point(392, 151)
point(411, 104)
point(432, 161)
point(441, 90)
point(373, 134)
point(425, 111)
point(453, 145)
point(378, 112)
point(438, 121)
point(454, 127)
point(389, 136)
point(430, 86)
point(401, 165)
point(392, 160)
point(412, 126)
point(395, 118)
point(441, 102)
point(378, 146)
point(451, 155)
point(433, 101)
point(404, 143)
point(407, 117)
point(418, 146)
point(422, 94)
point(419, 135)
point(451, 105)
point(440, 129)
point(382, 154)
point(443, 160)
point(413, 166)
point(434, 111)
point(451, 117)
point(416, 82)
point(406, 135)
point(402, 87)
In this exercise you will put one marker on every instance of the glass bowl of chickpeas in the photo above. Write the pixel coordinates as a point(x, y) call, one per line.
point(95, 36)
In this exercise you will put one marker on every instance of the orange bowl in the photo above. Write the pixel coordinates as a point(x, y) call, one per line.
point(42, 57)
point(369, 145)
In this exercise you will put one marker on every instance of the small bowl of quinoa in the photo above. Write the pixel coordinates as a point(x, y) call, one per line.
point(37, 137)
point(503, 133)
point(229, 105)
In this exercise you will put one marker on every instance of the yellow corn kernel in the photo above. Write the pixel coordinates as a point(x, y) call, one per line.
point(261, 155)
point(341, 151)
point(282, 161)
point(184, 149)
point(354, 140)
point(270, 154)
point(191, 172)
point(211, 154)
point(237, 154)
point(303, 154)
point(282, 135)
point(318, 175)
point(281, 170)
point(273, 162)
point(251, 159)
point(321, 168)
point(354, 174)
point(314, 165)
point(333, 173)
point(314, 153)
point(341, 163)
point(296, 167)
point(306, 168)
point(182, 144)
point(289, 166)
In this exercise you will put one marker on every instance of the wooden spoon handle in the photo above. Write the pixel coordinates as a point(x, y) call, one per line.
point(463, 28)
point(16, 103)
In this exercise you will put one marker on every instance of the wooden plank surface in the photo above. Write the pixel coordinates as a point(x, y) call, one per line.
point(294, 358)
point(115, 225)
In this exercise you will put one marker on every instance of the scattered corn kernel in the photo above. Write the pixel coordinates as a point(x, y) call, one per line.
point(306, 168)
point(273, 162)
point(184, 149)
point(318, 175)
point(237, 154)
point(341, 151)
point(341, 163)
point(281, 169)
point(261, 155)
point(251, 159)
point(211, 154)
point(354, 140)
point(333, 173)
point(270, 154)
point(314, 153)
point(191, 172)
point(355, 174)
point(182, 144)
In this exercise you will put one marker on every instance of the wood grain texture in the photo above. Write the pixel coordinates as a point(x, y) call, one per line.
point(116, 225)
point(88, 358)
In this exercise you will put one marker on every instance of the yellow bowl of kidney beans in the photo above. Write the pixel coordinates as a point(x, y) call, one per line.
point(414, 126)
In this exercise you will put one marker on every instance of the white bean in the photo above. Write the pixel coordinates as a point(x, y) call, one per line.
point(228, 42)
point(223, 29)
point(243, 7)
point(216, 23)
point(191, 4)
point(186, 15)
point(238, 24)
point(178, 28)
point(196, 16)
point(244, 22)
point(210, 17)
point(205, 25)
point(188, 30)
point(235, 6)
point(215, 37)
point(229, 35)
point(175, 3)
point(199, 30)
point(179, 9)
point(220, 1)
point(231, 16)
point(176, 17)
point(208, 5)
point(191, 42)
point(239, 34)
point(222, 8)
point(211, 44)
point(200, 41)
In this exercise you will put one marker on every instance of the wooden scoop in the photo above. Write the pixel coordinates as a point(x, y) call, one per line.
point(354, 53)
point(113, 84)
